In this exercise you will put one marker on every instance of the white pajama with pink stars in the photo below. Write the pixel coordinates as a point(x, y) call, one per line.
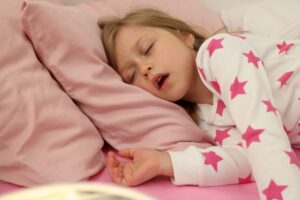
point(254, 118)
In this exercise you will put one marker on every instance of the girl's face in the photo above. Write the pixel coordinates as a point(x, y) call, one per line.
point(156, 60)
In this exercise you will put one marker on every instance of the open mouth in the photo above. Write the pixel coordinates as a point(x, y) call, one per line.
point(160, 80)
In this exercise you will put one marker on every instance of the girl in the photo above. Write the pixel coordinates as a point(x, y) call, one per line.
point(247, 90)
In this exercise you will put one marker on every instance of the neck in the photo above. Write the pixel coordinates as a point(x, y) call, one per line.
point(198, 92)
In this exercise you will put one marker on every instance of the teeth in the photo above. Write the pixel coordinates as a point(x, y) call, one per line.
point(158, 81)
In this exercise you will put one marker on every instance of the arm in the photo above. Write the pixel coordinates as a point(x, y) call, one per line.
point(216, 165)
point(247, 94)
point(191, 166)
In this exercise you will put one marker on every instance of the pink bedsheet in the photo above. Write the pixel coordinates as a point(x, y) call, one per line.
point(161, 188)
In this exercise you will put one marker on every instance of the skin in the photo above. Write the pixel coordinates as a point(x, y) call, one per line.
point(142, 53)
point(142, 165)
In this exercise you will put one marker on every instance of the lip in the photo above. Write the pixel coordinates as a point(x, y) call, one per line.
point(157, 77)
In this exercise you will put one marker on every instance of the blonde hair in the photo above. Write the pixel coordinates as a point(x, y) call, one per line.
point(151, 18)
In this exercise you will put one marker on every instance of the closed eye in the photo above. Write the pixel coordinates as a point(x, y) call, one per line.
point(149, 49)
point(132, 77)
point(129, 75)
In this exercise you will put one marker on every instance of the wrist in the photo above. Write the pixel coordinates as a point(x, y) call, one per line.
point(166, 167)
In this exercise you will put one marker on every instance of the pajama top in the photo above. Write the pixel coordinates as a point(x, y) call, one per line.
point(254, 118)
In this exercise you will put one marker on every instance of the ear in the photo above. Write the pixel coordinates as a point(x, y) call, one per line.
point(188, 38)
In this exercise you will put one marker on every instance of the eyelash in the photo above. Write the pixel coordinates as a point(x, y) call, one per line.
point(132, 77)
point(148, 49)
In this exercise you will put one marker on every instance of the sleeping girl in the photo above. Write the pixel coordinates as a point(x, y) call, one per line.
point(243, 91)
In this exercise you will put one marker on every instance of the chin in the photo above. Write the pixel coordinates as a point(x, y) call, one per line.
point(175, 98)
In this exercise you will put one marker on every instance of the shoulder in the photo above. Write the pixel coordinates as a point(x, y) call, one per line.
point(223, 41)
point(221, 46)
point(222, 54)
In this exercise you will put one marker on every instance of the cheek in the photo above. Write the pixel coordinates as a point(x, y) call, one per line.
point(176, 54)
point(142, 84)
point(166, 51)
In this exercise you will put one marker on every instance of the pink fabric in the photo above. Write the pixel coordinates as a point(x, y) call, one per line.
point(162, 189)
point(193, 12)
point(43, 133)
point(67, 39)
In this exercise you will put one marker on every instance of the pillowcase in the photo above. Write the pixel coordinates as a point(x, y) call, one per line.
point(67, 40)
point(44, 137)
point(272, 18)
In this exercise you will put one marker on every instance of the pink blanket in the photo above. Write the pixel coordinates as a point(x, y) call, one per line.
point(161, 188)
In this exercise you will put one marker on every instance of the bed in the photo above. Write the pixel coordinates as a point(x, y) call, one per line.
point(161, 188)
point(56, 119)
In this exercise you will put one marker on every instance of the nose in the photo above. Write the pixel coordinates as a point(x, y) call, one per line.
point(145, 69)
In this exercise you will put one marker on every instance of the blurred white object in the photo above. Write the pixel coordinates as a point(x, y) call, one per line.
point(219, 5)
point(77, 191)
point(270, 18)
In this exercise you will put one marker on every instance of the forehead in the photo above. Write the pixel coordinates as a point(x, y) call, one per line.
point(127, 38)
point(130, 34)
point(128, 30)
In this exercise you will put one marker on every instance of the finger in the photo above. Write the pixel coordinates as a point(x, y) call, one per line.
point(118, 175)
point(112, 162)
point(128, 153)
point(111, 159)
point(120, 172)
point(115, 175)
point(115, 168)
point(110, 153)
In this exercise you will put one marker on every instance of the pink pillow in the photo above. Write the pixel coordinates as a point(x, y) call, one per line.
point(67, 40)
point(44, 137)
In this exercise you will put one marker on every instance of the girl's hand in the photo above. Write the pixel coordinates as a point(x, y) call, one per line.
point(141, 165)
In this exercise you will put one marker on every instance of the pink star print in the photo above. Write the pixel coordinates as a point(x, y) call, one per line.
point(214, 44)
point(237, 88)
point(270, 107)
point(245, 180)
point(284, 78)
point(220, 107)
point(216, 86)
point(211, 158)
point(252, 58)
point(221, 135)
point(284, 47)
point(273, 191)
point(293, 157)
point(252, 135)
point(202, 72)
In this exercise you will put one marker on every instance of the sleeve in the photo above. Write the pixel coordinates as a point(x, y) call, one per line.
point(216, 165)
point(232, 64)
